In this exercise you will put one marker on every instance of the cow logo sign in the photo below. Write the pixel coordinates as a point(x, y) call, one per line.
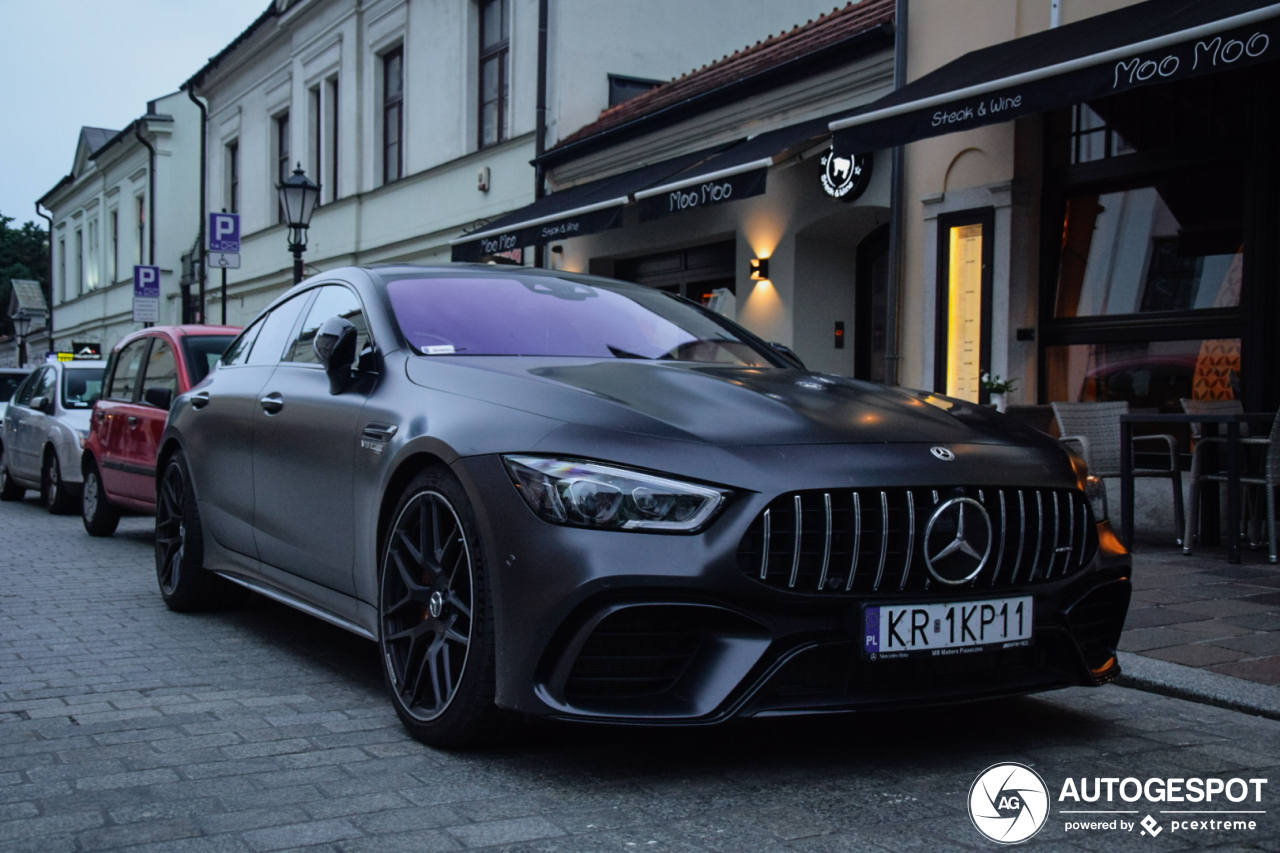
point(1008, 803)
point(845, 178)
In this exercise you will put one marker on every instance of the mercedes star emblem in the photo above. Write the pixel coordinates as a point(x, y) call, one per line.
point(957, 541)
point(942, 453)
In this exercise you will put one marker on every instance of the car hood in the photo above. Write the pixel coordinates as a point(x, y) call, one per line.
point(730, 406)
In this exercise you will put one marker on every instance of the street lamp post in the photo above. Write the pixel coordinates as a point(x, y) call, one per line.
point(21, 328)
point(298, 196)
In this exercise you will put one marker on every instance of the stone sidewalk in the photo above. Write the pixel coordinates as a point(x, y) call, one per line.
point(1201, 611)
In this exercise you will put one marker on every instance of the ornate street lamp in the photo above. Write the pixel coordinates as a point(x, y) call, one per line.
point(21, 327)
point(298, 197)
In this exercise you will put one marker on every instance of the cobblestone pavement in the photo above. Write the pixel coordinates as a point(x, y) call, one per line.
point(126, 726)
point(1201, 611)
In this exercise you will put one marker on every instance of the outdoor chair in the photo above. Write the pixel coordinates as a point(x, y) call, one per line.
point(1268, 478)
point(1094, 428)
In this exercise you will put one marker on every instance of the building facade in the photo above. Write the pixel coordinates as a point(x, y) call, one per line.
point(128, 200)
point(707, 177)
point(419, 118)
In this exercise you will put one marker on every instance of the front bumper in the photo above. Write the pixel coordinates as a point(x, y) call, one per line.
point(648, 628)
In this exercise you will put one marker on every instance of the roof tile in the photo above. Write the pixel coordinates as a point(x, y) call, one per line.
point(807, 38)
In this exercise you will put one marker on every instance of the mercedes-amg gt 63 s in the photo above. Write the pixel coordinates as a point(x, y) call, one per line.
point(551, 494)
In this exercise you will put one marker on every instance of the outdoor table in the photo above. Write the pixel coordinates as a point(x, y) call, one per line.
point(1232, 422)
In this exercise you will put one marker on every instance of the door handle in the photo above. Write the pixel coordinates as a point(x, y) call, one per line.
point(133, 420)
point(199, 401)
point(272, 403)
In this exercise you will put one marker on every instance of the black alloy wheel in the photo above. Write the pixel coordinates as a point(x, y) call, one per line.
point(57, 498)
point(435, 623)
point(100, 516)
point(184, 583)
point(9, 488)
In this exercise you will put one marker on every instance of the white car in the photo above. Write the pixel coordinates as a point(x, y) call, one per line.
point(44, 431)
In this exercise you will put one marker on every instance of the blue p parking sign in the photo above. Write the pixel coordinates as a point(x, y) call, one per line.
point(146, 294)
point(224, 232)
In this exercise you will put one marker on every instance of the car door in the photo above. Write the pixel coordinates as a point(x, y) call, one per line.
point(144, 421)
point(116, 421)
point(305, 441)
point(218, 431)
point(32, 424)
point(17, 440)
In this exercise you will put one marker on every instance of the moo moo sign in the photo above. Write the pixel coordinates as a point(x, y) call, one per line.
point(1195, 57)
point(708, 193)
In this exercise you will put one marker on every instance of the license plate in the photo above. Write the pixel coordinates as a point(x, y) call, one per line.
point(955, 628)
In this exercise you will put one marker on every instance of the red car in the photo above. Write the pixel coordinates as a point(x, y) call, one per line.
point(148, 369)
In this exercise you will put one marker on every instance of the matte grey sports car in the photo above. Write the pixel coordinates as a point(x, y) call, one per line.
point(552, 494)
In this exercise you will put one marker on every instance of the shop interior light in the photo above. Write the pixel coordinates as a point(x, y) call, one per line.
point(759, 269)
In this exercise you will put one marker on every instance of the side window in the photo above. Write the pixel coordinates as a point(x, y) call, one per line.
point(162, 368)
point(28, 390)
point(47, 385)
point(334, 300)
point(128, 366)
point(238, 352)
point(277, 330)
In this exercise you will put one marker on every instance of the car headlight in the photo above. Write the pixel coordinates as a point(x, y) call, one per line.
point(588, 494)
point(83, 435)
point(1095, 491)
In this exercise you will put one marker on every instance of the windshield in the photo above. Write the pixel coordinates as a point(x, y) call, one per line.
point(81, 386)
point(559, 317)
point(203, 352)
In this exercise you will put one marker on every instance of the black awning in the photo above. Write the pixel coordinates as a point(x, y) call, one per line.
point(734, 174)
point(585, 209)
point(1158, 41)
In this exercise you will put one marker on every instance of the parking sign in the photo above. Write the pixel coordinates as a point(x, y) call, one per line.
point(146, 294)
point(224, 232)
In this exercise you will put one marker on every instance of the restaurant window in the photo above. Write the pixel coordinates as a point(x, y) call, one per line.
point(495, 25)
point(704, 274)
point(282, 159)
point(1145, 241)
point(393, 115)
point(963, 342)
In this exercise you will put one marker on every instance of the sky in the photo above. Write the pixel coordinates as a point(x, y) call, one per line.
point(65, 64)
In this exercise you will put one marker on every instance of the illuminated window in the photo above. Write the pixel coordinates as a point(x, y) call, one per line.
point(964, 304)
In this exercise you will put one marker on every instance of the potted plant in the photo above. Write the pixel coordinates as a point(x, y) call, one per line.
point(997, 388)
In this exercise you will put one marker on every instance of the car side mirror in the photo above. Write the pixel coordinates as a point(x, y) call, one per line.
point(42, 404)
point(787, 354)
point(335, 347)
point(161, 398)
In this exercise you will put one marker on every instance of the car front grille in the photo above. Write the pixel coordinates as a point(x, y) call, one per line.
point(860, 541)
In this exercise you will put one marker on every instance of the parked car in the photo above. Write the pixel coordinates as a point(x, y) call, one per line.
point(553, 494)
point(45, 428)
point(146, 371)
point(10, 379)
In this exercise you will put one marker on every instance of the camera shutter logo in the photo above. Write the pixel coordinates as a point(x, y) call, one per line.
point(1008, 803)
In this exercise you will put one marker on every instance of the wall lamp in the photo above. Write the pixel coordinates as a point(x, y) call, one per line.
point(759, 269)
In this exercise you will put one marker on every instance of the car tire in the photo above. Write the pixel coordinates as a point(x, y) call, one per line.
point(184, 582)
point(9, 488)
point(435, 618)
point(54, 493)
point(100, 516)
